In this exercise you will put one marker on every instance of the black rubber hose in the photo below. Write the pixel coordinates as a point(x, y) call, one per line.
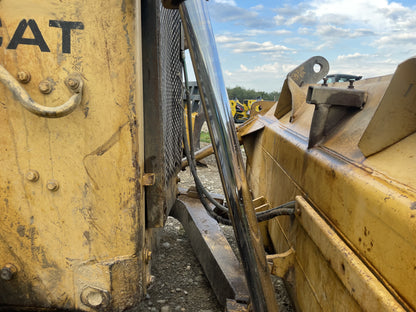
point(285, 209)
point(198, 183)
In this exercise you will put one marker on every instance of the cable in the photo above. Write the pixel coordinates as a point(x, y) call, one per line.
point(282, 210)
point(199, 185)
point(285, 209)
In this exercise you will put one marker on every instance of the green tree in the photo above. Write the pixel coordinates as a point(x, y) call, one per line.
point(250, 94)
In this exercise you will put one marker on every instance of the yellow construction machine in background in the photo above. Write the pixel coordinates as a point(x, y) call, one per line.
point(242, 111)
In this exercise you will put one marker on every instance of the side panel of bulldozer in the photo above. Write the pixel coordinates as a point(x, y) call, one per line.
point(352, 239)
point(72, 198)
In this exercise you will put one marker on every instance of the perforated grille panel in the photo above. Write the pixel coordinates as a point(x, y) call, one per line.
point(171, 89)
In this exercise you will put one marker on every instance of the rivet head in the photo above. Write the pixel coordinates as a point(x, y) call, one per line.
point(8, 272)
point(52, 185)
point(23, 76)
point(32, 175)
point(45, 87)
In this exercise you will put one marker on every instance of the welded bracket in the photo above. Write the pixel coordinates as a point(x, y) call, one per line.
point(331, 106)
point(293, 92)
point(281, 263)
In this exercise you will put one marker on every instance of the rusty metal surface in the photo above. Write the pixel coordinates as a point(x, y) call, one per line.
point(71, 196)
point(217, 259)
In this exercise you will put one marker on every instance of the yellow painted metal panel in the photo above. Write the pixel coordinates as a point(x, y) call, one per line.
point(368, 201)
point(86, 237)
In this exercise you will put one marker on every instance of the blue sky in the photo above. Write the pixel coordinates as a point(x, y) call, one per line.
point(259, 42)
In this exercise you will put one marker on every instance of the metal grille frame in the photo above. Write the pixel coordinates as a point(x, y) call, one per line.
point(163, 110)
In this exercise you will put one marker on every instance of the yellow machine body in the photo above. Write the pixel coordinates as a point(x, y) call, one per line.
point(351, 245)
point(72, 188)
point(91, 147)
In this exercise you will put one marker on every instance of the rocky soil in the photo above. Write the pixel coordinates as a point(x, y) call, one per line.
point(179, 282)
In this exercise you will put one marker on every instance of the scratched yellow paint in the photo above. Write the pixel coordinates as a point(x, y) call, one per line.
point(89, 234)
point(368, 201)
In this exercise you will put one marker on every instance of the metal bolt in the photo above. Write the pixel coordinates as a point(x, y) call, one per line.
point(8, 272)
point(351, 86)
point(52, 185)
point(73, 83)
point(23, 76)
point(45, 87)
point(94, 297)
point(32, 175)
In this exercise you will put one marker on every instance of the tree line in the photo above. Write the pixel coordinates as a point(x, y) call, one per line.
point(250, 94)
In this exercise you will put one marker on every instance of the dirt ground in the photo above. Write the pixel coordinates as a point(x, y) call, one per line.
point(179, 282)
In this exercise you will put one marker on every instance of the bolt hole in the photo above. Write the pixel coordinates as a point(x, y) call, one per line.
point(317, 68)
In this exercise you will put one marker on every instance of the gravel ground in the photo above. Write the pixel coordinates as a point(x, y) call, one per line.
point(179, 282)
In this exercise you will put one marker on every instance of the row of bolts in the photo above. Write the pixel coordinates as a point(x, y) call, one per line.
point(9, 270)
point(33, 176)
point(45, 86)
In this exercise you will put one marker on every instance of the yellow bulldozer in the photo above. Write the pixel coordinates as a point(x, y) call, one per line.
point(91, 139)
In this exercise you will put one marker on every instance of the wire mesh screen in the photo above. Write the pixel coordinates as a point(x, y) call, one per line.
point(171, 89)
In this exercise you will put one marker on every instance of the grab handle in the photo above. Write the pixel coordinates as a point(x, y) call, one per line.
point(74, 83)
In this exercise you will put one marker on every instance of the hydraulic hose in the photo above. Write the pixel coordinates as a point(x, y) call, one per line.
point(285, 209)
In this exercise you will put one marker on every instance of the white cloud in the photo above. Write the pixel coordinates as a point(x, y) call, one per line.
point(228, 2)
point(304, 30)
point(258, 32)
point(279, 19)
point(228, 11)
point(263, 47)
point(227, 39)
point(397, 39)
point(267, 76)
point(359, 37)
point(238, 45)
point(354, 56)
point(257, 7)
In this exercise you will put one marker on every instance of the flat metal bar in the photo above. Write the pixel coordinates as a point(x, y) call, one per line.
point(221, 267)
point(363, 286)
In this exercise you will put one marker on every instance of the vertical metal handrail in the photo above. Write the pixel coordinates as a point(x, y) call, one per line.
point(214, 98)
